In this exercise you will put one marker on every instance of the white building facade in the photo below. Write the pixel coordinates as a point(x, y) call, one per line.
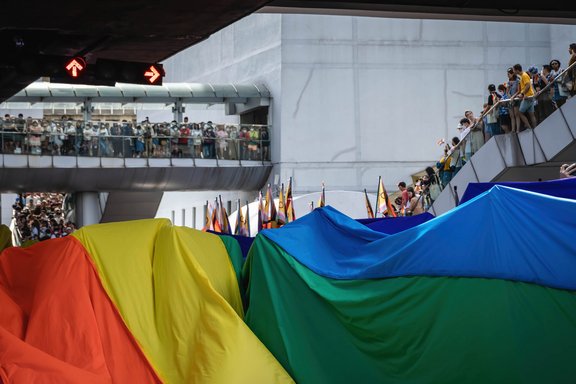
point(358, 97)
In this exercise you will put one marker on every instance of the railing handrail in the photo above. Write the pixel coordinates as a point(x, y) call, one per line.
point(237, 148)
point(81, 134)
point(559, 76)
point(98, 123)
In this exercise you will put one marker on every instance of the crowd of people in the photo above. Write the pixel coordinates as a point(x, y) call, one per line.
point(522, 101)
point(417, 198)
point(40, 216)
point(66, 136)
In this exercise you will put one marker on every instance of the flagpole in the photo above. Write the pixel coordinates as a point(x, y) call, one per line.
point(238, 218)
point(248, 217)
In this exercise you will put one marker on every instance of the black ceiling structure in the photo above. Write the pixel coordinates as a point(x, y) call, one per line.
point(496, 10)
point(149, 32)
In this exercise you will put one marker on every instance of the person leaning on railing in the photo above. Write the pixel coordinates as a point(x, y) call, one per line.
point(545, 105)
point(265, 139)
point(557, 97)
point(416, 202)
point(525, 94)
point(570, 77)
point(492, 125)
point(234, 145)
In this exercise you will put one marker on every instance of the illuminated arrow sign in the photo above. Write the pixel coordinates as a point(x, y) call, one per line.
point(152, 74)
point(75, 66)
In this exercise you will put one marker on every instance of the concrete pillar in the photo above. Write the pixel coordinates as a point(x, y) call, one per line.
point(87, 110)
point(178, 110)
point(87, 208)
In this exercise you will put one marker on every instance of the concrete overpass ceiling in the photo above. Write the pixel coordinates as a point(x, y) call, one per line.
point(129, 30)
point(487, 10)
point(146, 31)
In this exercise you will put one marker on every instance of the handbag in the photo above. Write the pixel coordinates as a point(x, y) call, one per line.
point(567, 84)
point(491, 117)
point(434, 191)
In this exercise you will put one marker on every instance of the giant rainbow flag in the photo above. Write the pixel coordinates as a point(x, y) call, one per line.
point(482, 294)
point(136, 302)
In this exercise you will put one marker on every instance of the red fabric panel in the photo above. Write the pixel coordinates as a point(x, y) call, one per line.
point(58, 325)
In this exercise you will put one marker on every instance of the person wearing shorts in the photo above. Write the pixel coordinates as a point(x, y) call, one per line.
point(526, 94)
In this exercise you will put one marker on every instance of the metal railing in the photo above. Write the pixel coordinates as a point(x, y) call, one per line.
point(94, 139)
point(558, 78)
point(460, 147)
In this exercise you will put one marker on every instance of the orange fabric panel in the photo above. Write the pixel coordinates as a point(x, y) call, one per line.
point(58, 325)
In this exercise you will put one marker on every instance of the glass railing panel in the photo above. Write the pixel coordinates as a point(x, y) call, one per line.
point(129, 140)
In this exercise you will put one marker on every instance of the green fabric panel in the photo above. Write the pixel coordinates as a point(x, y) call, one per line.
point(410, 329)
point(236, 258)
point(5, 237)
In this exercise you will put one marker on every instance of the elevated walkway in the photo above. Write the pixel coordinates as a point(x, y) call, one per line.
point(21, 173)
point(118, 189)
point(530, 155)
point(114, 187)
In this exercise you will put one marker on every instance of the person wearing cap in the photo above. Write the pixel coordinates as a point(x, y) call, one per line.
point(526, 95)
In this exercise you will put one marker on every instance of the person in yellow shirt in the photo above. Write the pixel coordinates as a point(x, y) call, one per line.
point(526, 94)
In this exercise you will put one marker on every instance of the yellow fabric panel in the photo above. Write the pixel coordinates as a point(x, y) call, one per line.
point(216, 264)
point(176, 290)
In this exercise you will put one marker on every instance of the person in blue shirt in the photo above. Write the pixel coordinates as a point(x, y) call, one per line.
point(504, 109)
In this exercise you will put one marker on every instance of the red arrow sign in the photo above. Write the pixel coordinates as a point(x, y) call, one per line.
point(152, 74)
point(75, 66)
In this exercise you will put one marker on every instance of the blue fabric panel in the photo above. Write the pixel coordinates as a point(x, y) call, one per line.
point(560, 188)
point(503, 233)
point(393, 225)
point(244, 242)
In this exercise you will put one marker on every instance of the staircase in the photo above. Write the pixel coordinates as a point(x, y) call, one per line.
point(530, 155)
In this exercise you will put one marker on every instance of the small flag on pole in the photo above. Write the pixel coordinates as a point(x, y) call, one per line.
point(281, 215)
point(260, 212)
point(270, 209)
point(383, 204)
point(208, 217)
point(246, 223)
point(239, 219)
point(216, 227)
point(290, 214)
point(369, 210)
point(225, 223)
point(322, 200)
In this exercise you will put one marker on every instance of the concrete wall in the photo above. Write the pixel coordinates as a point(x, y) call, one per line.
point(359, 97)
point(380, 92)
